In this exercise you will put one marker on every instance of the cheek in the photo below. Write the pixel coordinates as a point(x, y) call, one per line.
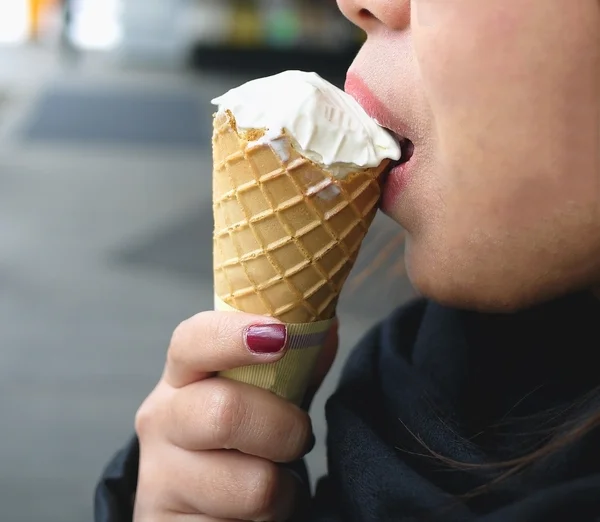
point(467, 50)
point(513, 89)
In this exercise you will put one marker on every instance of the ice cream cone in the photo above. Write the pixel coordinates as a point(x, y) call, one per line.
point(287, 233)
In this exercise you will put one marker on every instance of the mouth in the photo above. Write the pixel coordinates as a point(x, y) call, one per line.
point(407, 150)
point(395, 177)
point(358, 89)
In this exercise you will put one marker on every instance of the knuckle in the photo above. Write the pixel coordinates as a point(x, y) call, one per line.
point(223, 332)
point(150, 416)
point(144, 419)
point(263, 492)
point(224, 413)
point(221, 326)
point(204, 328)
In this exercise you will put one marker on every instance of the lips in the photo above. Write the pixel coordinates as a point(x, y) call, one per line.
point(396, 174)
point(358, 89)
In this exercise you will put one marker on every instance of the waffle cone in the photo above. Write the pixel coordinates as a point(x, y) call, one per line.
point(287, 234)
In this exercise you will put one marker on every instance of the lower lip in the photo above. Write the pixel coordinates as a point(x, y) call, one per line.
point(395, 184)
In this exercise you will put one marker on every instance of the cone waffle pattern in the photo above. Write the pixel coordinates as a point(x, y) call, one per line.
point(286, 234)
point(286, 237)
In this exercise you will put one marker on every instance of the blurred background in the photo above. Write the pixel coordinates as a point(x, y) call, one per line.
point(105, 216)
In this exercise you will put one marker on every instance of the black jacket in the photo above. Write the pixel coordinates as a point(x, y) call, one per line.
point(430, 400)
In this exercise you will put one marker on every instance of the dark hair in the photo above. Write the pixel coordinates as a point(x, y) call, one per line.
point(551, 442)
point(566, 431)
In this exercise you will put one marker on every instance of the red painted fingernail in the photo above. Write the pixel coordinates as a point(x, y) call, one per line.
point(265, 338)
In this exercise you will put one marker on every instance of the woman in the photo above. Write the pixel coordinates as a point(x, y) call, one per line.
point(478, 403)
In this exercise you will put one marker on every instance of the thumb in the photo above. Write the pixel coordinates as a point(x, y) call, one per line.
point(324, 363)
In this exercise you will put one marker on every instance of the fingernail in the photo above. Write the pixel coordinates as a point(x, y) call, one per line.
point(266, 338)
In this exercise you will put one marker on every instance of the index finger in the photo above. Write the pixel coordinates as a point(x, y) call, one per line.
point(212, 342)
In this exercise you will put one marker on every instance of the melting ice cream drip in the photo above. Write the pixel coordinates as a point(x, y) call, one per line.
point(326, 189)
point(275, 139)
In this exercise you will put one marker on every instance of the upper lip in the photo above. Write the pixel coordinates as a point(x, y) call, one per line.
point(358, 89)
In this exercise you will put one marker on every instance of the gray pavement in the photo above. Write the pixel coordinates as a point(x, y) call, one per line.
point(104, 248)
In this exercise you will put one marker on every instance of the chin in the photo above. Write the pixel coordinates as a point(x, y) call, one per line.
point(478, 288)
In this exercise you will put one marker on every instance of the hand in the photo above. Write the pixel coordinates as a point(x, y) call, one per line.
point(210, 448)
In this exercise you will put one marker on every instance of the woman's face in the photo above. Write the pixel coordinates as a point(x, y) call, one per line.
point(501, 99)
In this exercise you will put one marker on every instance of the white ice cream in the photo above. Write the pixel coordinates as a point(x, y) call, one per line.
point(326, 125)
